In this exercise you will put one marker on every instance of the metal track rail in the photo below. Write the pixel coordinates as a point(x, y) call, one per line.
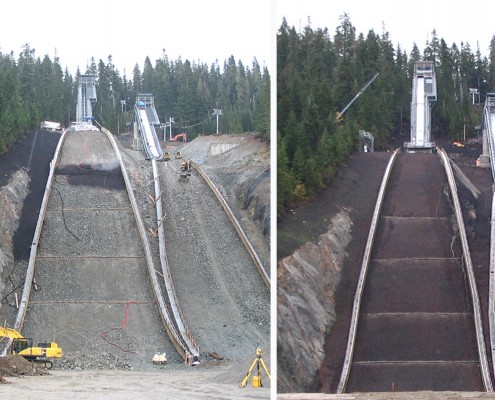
point(237, 226)
point(488, 117)
point(188, 343)
point(491, 294)
point(351, 341)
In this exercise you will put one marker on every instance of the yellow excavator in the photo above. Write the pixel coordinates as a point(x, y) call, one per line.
point(24, 347)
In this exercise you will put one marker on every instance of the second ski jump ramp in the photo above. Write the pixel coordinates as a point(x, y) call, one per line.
point(148, 134)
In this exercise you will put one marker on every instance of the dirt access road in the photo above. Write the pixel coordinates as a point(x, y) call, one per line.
point(178, 384)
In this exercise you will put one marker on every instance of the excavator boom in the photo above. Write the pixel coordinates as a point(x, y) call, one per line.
point(10, 333)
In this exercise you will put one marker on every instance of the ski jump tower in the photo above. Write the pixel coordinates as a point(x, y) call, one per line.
point(424, 93)
point(86, 97)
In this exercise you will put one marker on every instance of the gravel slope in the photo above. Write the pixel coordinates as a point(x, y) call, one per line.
point(238, 295)
point(91, 268)
point(223, 298)
point(221, 293)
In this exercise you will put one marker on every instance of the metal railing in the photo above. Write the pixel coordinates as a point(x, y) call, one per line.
point(237, 226)
point(478, 323)
point(488, 130)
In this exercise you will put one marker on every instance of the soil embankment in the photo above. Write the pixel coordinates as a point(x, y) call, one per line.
point(23, 174)
point(12, 196)
point(353, 191)
point(239, 165)
point(305, 301)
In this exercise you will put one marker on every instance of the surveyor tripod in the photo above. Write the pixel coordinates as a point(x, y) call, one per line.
point(258, 362)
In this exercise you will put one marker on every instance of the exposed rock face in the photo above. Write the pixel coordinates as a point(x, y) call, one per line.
point(305, 299)
point(12, 197)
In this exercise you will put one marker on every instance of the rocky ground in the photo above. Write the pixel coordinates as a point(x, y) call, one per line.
point(226, 374)
point(242, 174)
point(212, 272)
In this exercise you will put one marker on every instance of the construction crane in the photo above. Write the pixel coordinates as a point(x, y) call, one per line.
point(24, 347)
point(341, 113)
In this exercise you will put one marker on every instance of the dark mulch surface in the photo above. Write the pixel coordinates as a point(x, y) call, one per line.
point(356, 188)
point(34, 153)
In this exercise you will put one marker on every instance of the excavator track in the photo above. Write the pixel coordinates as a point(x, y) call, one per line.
point(42, 362)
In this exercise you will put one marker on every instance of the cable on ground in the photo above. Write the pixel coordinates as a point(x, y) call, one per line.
point(122, 327)
point(63, 214)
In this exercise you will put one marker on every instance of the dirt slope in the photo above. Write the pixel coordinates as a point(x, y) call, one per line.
point(355, 189)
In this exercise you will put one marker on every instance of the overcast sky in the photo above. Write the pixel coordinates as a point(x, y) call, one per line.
point(209, 31)
point(130, 31)
point(407, 22)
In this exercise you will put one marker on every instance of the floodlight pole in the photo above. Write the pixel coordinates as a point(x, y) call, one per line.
point(169, 123)
point(217, 112)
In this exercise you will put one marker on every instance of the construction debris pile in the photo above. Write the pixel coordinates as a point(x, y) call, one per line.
point(16, 365)
point(104, 360)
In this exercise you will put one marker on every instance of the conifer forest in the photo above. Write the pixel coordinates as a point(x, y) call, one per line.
point(33, 89)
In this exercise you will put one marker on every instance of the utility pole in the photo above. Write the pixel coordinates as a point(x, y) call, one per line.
point(164, 126)
point(217, 112)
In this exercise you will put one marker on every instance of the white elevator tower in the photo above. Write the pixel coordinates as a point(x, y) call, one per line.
point(424, 93)
point(86, 96)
